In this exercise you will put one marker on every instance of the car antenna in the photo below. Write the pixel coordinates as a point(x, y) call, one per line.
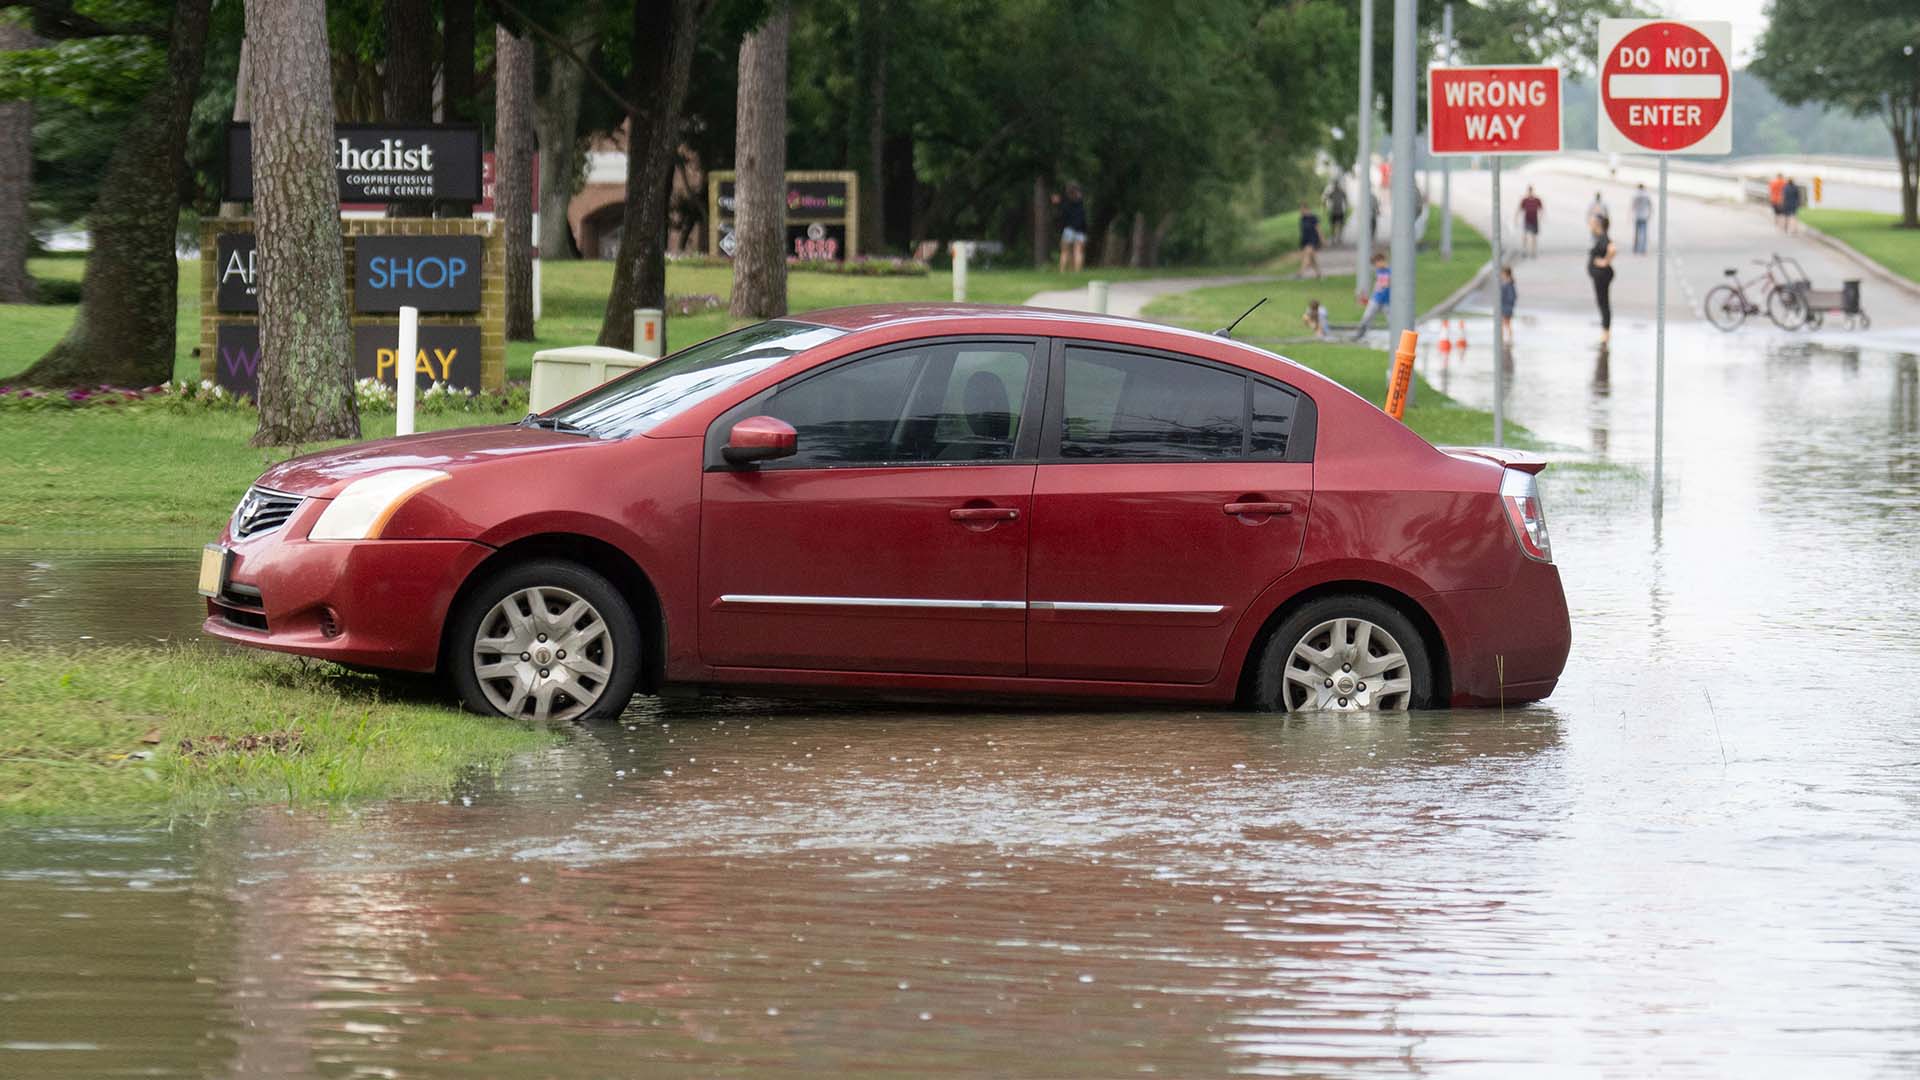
point(1227, 330)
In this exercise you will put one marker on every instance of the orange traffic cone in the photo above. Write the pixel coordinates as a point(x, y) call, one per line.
point(1445, 345)
point(1461, 341)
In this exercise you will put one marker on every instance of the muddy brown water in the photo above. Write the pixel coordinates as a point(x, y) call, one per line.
point(1697, 859)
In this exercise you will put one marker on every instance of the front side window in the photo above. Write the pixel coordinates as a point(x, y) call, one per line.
point(931, 402)
point(636, 402)
point(1130, 406)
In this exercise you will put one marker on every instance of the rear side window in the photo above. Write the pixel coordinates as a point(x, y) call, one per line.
point(1274, 411)
point(1132, 406)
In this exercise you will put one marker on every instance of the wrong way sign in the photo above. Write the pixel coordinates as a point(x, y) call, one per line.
point(1493, 110)
point(1665, 87)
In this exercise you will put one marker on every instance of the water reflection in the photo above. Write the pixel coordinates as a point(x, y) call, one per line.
point(131, 597)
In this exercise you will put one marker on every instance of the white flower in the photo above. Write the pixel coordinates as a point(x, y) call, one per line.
point(219, 391)
point(205, 384)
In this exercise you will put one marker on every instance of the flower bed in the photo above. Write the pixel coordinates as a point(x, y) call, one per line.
point(375, 398)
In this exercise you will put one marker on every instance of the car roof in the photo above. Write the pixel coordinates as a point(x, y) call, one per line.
point(860, 317)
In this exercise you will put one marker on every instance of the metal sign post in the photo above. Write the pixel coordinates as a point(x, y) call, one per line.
point(1495, 111)
point(1665, 88)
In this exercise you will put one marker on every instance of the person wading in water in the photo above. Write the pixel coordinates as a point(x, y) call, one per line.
point(1600, 269)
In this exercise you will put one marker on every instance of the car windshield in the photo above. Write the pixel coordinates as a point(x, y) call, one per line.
point(636, 402)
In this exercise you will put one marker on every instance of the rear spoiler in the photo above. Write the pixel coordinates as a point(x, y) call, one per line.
point(1501, 456)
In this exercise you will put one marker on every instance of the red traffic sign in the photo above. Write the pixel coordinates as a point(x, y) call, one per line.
point(1665, 87)
point(1493, 110)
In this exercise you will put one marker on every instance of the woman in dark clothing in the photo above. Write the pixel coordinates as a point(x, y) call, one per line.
point(1600, 269)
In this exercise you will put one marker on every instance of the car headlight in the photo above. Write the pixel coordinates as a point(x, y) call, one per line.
point(363, 508)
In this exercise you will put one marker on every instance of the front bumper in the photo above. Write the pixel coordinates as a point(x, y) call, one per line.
point(378, 603)
point(1509, 644)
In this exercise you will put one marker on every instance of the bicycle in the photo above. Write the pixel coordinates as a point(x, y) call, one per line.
point(1729, 305)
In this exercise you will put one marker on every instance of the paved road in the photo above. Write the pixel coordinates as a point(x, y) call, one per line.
point(1704, 239)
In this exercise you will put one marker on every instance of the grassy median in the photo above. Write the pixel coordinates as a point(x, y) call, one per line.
point(1877, 236)
point(113, 731)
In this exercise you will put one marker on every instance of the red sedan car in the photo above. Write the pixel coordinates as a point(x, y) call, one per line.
point(918, 499)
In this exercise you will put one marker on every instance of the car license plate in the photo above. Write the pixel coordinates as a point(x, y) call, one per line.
point(213, 569)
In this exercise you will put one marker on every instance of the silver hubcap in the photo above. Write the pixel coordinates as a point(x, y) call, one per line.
point(1344, 665)
point(543, 654)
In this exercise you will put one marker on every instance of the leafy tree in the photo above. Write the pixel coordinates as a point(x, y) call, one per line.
point(151, 53)
point(1859, 55)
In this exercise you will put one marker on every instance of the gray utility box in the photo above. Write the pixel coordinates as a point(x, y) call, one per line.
point(560, 374)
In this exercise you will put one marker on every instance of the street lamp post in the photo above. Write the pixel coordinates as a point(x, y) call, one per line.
point(1363, 188)
point(1400, 305)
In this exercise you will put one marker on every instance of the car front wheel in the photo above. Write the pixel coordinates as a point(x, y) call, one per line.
point(1344, 654)
point(546, 640)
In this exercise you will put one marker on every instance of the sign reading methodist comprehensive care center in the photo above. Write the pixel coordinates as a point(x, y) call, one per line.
point(381, 162)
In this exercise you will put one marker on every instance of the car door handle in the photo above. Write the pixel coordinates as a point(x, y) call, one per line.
point(1236, 509)
point(984, 513)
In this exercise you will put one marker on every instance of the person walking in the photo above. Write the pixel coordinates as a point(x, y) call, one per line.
point(1775, 190)
point(1598, 209)
point(1315, 319)
point(1336, 199)
point(1600, 269)
point(1382, 292)
point(1309, 241)
point(1073, 229)
point(1530, 208)
point(1790, 197)
point(1642, 213)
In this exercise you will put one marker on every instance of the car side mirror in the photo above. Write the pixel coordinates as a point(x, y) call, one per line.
point(760, 438)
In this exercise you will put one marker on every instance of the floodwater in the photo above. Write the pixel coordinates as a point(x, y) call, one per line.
point(1697, 859)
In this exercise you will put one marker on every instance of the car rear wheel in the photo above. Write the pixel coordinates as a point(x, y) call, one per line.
point(1344, 654)
point(546, 640)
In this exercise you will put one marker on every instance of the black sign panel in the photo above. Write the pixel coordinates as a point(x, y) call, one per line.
point(807, 200)
point(381, 162)
point(237, 363)
point(432, 273)
point(236, 288)
point(448, 354)
point(816, 241)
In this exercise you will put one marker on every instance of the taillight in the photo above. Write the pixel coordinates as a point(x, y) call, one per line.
point(1520, 491)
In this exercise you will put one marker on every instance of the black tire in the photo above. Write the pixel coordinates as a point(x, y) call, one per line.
point(1725, 308)
point(622, 658)
point(1787, 308)
point(1269, 681)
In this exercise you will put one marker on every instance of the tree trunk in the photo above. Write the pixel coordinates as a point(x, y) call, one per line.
point(1903, 120)
point(513, 172)
point(306, 379)
point(242, 113)
point(124, 331)
point(760, 158)
point(1042, 223)
point(873, 176)
point(457, 81)
point(16, 180)
point(409, 78)
point(663, 43)
point(1137, 247)
point(1158, 236)
point(557, 122)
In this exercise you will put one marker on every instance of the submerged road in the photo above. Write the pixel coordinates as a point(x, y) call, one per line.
point(1695, 860)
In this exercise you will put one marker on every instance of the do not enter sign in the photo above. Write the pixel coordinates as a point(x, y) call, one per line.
point(1664, 87)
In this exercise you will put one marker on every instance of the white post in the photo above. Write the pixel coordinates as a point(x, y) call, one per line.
point(1097, 297)
point(962, 251)
point(1660, 358)
point(536, 284)
point(1499, 338)
point(403, 371)
point(1400, 306)
point(1446, 164)
point(1363, 190)
point(649, 330)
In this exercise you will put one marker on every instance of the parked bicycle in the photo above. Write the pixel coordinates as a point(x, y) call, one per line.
point(1779, 291)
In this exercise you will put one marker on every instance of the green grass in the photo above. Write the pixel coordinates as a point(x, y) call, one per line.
point(101, 478)
point(1433, 415)
point(1877, 236)
point(1279, 319)
point(100, 732)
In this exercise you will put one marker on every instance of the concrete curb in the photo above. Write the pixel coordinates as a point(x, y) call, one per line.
point(1453, 299)
point(1888, 276)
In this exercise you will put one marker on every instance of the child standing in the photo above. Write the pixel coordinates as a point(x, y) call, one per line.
point(1508, 296)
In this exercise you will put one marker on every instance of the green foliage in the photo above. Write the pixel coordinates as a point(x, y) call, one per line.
point(1849, 53)
point(1879, 237)
point(96, 74)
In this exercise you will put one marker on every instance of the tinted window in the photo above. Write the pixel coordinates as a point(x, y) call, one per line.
point(1273, 413)
point(931, 403)
point(1130, 406)
point(636, 402)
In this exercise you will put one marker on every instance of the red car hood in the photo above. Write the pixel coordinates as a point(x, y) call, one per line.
point(326, 472)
